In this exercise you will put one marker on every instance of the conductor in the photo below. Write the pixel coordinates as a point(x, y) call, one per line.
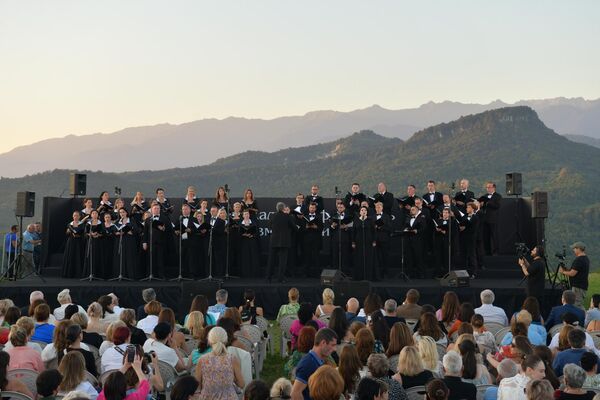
point(282, 226)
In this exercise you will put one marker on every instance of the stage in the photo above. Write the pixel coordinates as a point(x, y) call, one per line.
point(509, 292)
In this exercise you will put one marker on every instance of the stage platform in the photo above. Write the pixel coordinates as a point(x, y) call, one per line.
point(509, 292)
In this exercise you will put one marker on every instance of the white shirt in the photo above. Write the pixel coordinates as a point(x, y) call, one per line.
point(59, 312)
point(513, 388)
point(147, 324)
point(491, 313)
point(163, 352)
point(117, 310)
point(112, 358)
point(85, 387)
point(589, 343)
point(245, 362)
point(49, 352)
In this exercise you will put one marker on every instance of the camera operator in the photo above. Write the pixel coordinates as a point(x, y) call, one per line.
point(578, 273)
point(535, 272)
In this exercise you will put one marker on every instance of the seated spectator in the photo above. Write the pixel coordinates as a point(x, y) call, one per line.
point(400, 337)
point(73, 338)
point(108, 342)
point(379, 366)
point(33, 296)
point(410, 368)
point(306, 340)
point(34, 304)
point(390, 312)
point(376, 323)
point(327, 307)
point(325, 384)
point(217, 309)
point(484, 338)
point(452, 378)
point(11, 316)
point(195, 324)
point(535, 333)
point(43, 330)
point(11, 384)
point(473, 369)
point(574, 378)
point(340, 326)
point(281, 389)
point(47, 384)
point(138, 336)
point(572, 355)
point(115, 386)
point(371, 304)
point(200, 304)
point(592, 316)
point(464, 316)
point(568, 305)
point(158, 343)
point(248, 310)
point(430, 356)
point(72, 368)
point(429, 326)
point(410, 308)
point(532, 305)
point(256, 390)
point(115, 304)
point(350, 369)
point(5, 304)
point(153, 374)
point(21, 355)
point(89, 338)
point(589, 363)
point(506, 369)
point(95, 323)
point(71, 310)
point(305, 314)
point(291, 308)
point(184, 388)
point(532, 368)
point(59, 342)
point(560, 342)
point(234, 346)
point(352, 308)
point(450, 309)
point(177, 338)
point(489, 311)
point(354, 327)
point(28, 324)
point(371, 389)
point(539, 389)
point(112, 357)
point(64, 299)
point(152, 310)
point(108, 313)
point(545, 354)
point(436, 389)
point(148, 295)
point(364, 341)
point(231, 326)
point(201, 349)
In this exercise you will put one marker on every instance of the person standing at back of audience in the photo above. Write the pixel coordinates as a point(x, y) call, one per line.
point(578, 273)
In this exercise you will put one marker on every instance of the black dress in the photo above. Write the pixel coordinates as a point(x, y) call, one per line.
point(200, 239)
point(138, 210)
point(107, 249)
point(126, 250)
point(249, 252)
point(235, 246)
point(74, 251)
point(442, 240)
point(93, 250)
point(251, 207)
point(363, 236)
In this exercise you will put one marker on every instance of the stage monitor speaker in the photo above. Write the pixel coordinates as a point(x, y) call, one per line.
point(457, 278)
point(25, 204)
point(331, 276)
point(539, 205)
point(78, 184)
point(514, 184)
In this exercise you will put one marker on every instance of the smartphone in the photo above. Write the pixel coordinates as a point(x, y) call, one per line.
point(130, 353)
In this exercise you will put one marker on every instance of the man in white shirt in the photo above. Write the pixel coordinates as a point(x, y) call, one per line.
point(115, 304)
point(489, 311)
point(219, 308)
point(157, 344)
point(64, 299)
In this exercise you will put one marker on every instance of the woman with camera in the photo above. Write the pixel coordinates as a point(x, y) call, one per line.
point(534, 272)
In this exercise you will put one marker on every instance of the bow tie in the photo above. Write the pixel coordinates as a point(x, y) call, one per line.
point(312, 215)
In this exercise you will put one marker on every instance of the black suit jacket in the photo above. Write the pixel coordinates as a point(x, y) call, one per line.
point(465, 198)
point(420, 225)
point(491, 207)
point(460, 390)
point(387, 199)
point(348, 201)
point(383, 232)
point(437, 202)
point(318, 200)
point(282, 226)
point(159, 237)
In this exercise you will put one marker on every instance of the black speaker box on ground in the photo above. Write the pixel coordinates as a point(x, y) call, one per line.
point(514, 184)
point(25, 204)
point(457, 278)
point(78, 184)
point(330, 276)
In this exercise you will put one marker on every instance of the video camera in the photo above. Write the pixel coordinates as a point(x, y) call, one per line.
point(522, 250)
point(562, 256)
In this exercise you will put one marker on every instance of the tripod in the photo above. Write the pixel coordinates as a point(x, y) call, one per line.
point(180, 276)
point(210, 278)
point(90, 256)
point(20, 261)
point(151, 276)
point(120, 250)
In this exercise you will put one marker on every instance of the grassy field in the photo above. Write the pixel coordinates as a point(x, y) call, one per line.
point(594, 287)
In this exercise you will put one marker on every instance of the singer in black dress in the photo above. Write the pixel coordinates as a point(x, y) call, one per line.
point(221, 199)
point(105, 205)
point(127, 253)
point(138, 207)
point(363, 245)
point(93, 251)
point(249, 252)
point(250, 204)
point(74, 248)
point(107, 248)
point(235, 240)
point(446, 242)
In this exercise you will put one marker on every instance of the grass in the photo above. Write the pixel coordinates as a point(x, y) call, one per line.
point(594, 287)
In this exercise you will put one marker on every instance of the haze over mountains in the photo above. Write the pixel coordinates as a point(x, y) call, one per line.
point(201, 142)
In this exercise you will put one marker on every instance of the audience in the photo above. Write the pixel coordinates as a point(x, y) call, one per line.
point(161, 335)
point(325, 384)
point(305, 314)
point(390, 312)
point(573, 354)
point(379, 366)
point(453, 367)
point(148, 295)
point(184, 388)
point(152, 310)
point(410, 309)
point(592, 316)
point(95, 323)
point(574, 379)
point(371, 389)
point(200, 304)
point(352, 308)
point(72, 368)
point(291, 308)
point(43, 331)
point(410, 368)
point(64, 299)
point(10, 384)
point(489, 311)
point(327, 307)
point(351, 369)
point(47, 384)
point(589, 363)
point(568, 305)
point(539, 389)
point(532, 368)
point(436, 389)
point(217, 309)
point(21, 355)
point(28, 324)
point(281, 389)
point(256, 390)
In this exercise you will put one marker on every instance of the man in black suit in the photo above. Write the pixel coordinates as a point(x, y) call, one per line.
point(385, 197)
point(409, 200)
point(353, 199)
point(282, 226)
point(341, 239)
point(185, 230)
point(490, 206)
point(312, 241)
point(434, 200)
point(383, 230)
point(416, 229)
point(459, 390)
point(158, 231)
point(314, 197)
point(469, 229)
point(464, 196)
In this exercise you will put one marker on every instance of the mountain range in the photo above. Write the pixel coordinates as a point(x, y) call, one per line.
point(201, 142)
point(480, 147)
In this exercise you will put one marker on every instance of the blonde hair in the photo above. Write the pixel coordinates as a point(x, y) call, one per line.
point(195, 324)
point(282, 388)
point(72, 368)
point(409, 361)
point(293, 295)
point(463, 337)
point(328, 296)
point(17, 336)
point(428, 351)
point(94, 310)
point(524, 317)
point(112, 327)
point(217, 340)
point(26, 323)
point(128, 316)
point(80, 319)
point(5, 304)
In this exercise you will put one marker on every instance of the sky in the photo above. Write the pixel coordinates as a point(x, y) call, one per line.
point(80, 67)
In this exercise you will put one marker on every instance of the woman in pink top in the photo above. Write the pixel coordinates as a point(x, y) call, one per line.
point(305, 314)
point(21, 355)
point(115, 386)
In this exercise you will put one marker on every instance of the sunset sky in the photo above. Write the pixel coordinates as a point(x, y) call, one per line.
point(79, 67)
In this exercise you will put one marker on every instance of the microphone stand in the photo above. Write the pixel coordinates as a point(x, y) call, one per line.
point(364, 249)
point(120, 250)
point(337, 197)
point(90, 257)
point(180, 276)
point(210, 278)
point(151, 277)
point(227, 276)
point(403, 275)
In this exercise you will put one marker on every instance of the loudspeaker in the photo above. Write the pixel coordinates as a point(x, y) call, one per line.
point(514, 184)
point(331, 276)
point(539, 205)
point(457, 278)
point(25, 204)
point(78, 184)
